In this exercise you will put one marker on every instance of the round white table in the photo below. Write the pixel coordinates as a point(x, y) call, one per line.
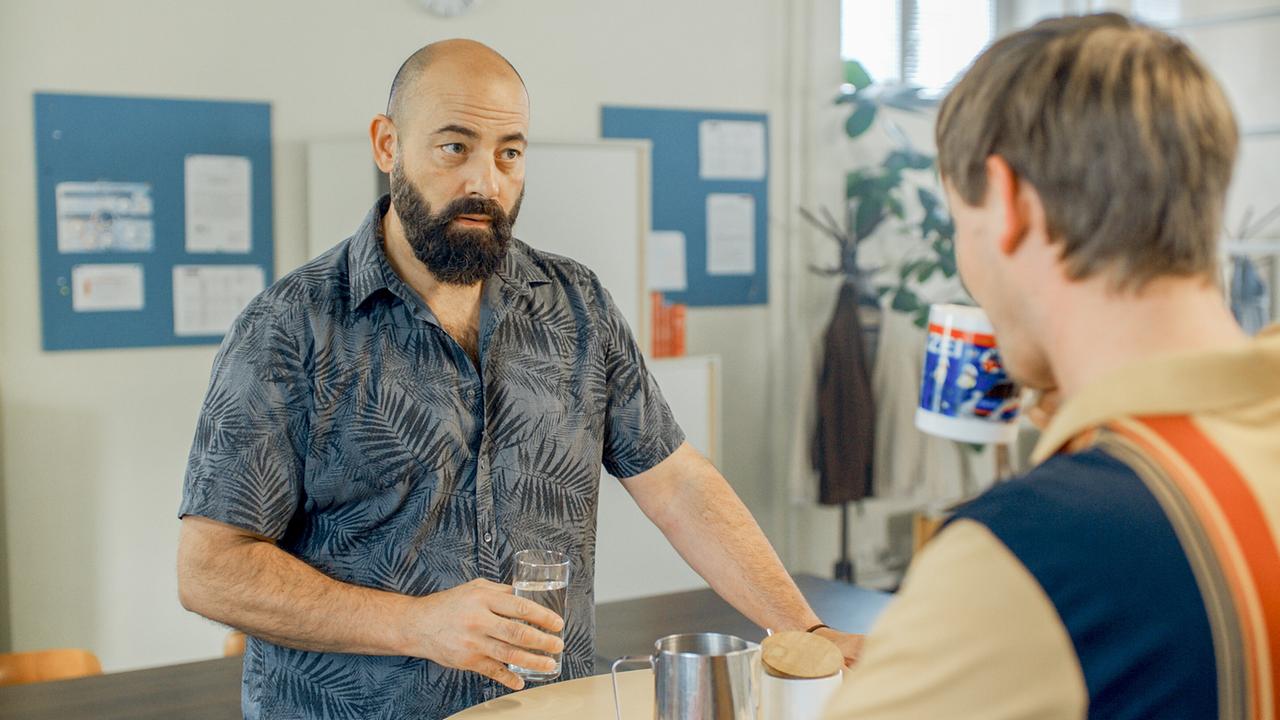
point(582, 699)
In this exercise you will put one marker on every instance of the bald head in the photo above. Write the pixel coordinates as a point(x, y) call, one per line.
point(453, 141)
point(461, 59)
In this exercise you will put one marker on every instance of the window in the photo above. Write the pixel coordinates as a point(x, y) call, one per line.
point(926, 43)
point(1158, 12)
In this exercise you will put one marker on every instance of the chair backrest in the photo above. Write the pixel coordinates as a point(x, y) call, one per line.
point(41, 665)
point(234, 644)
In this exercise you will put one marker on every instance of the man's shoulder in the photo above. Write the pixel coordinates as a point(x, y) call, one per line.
point(319, 286)
point(1066, 490)
point(1086, 524)
point(561, 270)
point(315, 280)
point(1084, 509)
point(1094, 535)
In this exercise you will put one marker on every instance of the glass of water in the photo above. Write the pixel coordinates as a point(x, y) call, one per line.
point(543, 577)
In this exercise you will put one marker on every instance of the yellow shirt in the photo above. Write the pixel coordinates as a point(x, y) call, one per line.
point(1135, 572)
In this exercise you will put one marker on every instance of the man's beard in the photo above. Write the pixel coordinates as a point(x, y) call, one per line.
point(454, 255)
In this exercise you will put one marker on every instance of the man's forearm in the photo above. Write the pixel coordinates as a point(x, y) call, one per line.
point(256, 587)
point(714, 532)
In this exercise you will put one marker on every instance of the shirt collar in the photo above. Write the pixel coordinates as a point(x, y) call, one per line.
point(367, 265)
point(369, 270)
point(1179, 384)
point(520, 270)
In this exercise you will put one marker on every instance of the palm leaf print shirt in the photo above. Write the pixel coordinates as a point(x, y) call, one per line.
point(343, 422)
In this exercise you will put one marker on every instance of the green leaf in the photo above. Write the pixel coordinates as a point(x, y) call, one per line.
point(946, 250)
point(890, 180)
point(904, 159)
point(905, 271)
point(948, 266)
point(905, 301)
point(870, 214)
point(926, 271)
point(932, 225)
point(856, 75)
point(928, 200)
point(921, 319)
point(860, 120)
point(895, 206)
point(858, 184)
point(919, 161)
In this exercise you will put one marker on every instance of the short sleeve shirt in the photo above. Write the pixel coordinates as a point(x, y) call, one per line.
point(343, 422)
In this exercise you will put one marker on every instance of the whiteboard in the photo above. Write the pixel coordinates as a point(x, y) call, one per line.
point(633, 559)
point(589, 202)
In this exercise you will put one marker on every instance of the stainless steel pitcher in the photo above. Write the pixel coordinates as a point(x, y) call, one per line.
point(700, 676)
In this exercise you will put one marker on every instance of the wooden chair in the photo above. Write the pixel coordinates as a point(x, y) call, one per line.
point(42, 665)
point(234, 644)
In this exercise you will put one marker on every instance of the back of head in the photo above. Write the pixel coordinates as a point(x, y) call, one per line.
point(1128, 139)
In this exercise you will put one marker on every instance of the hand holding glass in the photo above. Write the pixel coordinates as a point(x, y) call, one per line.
point(543, 577)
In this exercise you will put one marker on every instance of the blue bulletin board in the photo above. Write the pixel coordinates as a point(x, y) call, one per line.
point(154, 218)
point(711, 184)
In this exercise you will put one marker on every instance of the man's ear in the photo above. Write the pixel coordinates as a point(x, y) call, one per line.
point(384, 139)
point(1006, 201)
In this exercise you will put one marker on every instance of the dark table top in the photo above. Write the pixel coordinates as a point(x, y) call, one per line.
point(630, 627)
point(208, 690)
point(211, 689)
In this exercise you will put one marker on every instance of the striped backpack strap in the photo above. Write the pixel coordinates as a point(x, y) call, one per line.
point(1232, 548)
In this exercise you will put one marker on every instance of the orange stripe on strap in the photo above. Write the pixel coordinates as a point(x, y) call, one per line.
point(1204, 506)
point(1252, 535)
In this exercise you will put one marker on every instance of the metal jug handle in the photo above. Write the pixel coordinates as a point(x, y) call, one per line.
point(613, 672)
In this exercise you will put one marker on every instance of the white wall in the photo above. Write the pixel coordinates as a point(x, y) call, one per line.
point(94, 444)
point(1245, 55)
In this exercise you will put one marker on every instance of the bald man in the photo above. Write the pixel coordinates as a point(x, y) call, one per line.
point(389, 424)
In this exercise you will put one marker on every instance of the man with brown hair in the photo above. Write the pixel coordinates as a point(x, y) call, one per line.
point(1135, 572)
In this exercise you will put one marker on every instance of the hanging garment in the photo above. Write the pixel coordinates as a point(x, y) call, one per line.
point(844, 439)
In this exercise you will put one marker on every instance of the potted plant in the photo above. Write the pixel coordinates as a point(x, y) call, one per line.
point(889, 197)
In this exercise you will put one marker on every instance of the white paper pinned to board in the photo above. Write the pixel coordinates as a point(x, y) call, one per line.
point(731, 234)
point(731, 150)
point(208, 298)
point(104, 217)
point(219, 204)
point(96, 288)
point(665, 266)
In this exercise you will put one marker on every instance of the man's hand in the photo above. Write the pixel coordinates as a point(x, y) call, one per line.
point(850, 645)
point(474, 627)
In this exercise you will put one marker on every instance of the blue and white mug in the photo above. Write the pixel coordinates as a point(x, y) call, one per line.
point(965, 393)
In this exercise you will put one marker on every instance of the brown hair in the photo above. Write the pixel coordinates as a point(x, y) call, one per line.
point(1123, 132)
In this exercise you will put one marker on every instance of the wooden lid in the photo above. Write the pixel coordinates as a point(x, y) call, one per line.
point(797, 654)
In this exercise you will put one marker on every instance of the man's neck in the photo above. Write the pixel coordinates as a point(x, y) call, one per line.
point(1095, 332)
